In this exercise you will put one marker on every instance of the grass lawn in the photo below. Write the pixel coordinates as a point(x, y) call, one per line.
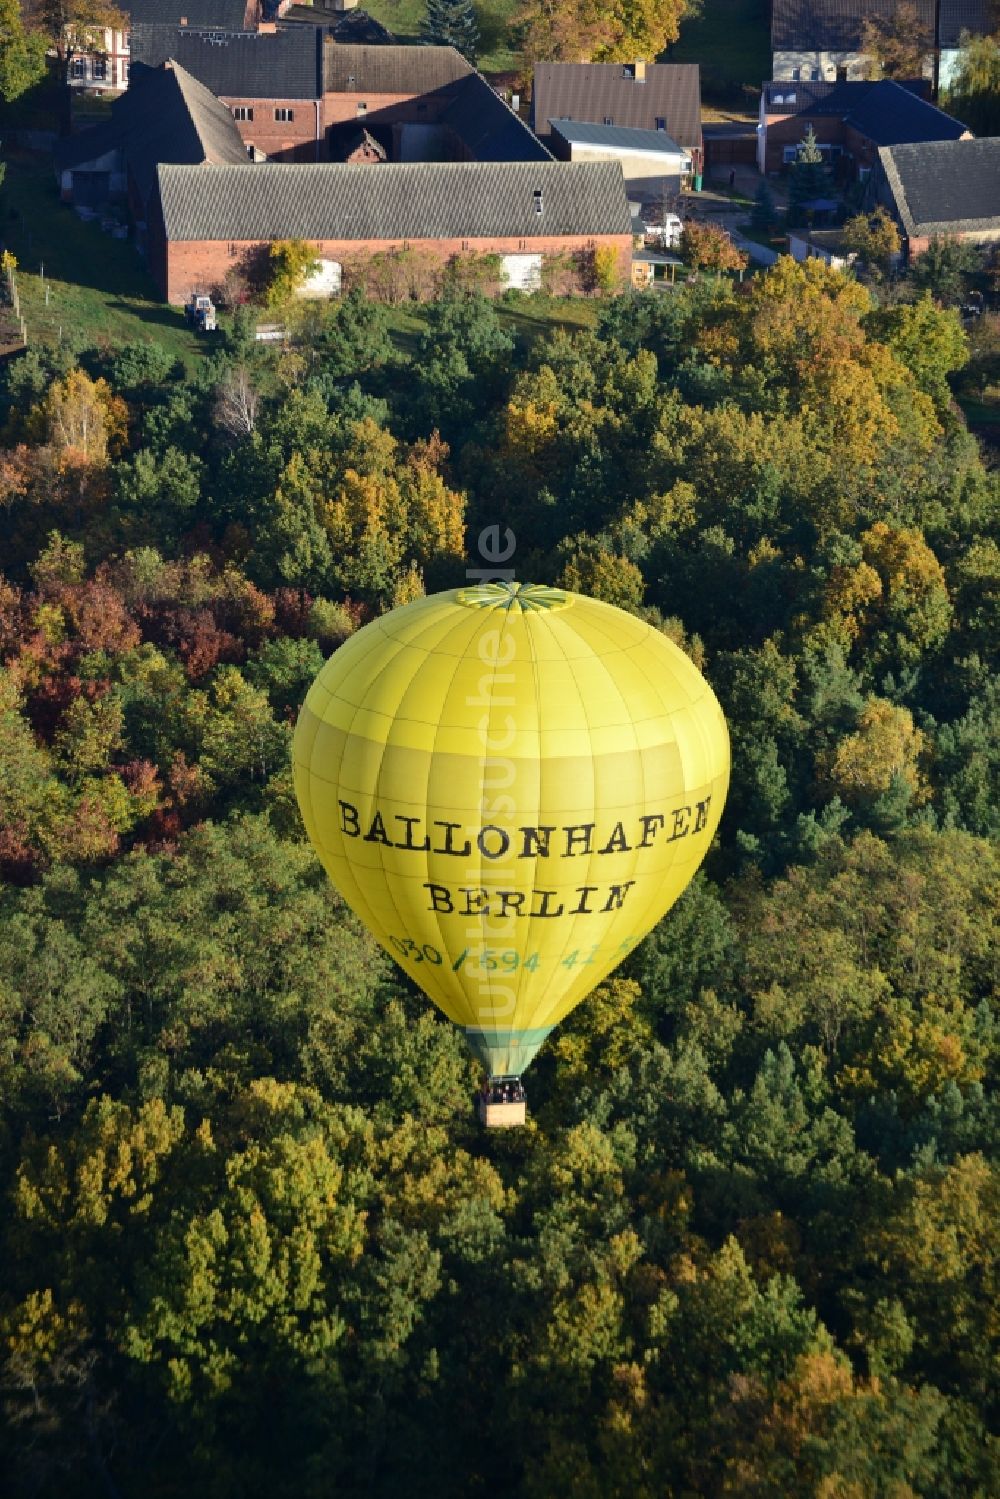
point(405, 18)
point(99, 290)
point(732, 42)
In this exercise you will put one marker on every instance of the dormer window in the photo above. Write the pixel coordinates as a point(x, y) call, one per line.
point(628, 71)
point(538, 199)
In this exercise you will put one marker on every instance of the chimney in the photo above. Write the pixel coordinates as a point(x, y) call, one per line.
point(183, 21)
point(267, 28)
point(640, 72)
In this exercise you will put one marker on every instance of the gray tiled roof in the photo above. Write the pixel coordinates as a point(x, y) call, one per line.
point(598, 91)
point(395, 201)
point(228, 15)
point(583, 133)
point(390, 70)
point(489, 128)
point(945, 187)
point(836, 25)
point(237, 64)
point(167, 116)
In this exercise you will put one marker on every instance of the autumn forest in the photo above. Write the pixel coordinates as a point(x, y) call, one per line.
point(253, 1240)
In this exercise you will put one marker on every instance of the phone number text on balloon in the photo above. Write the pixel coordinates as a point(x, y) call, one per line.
point(504, 960)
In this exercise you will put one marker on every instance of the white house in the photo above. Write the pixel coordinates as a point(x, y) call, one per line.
point(653, 164)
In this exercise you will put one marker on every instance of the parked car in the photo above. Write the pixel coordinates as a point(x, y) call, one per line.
point(200, 313)
point(667, 232)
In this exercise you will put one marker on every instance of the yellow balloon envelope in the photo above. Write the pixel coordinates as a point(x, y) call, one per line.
point(510, 785)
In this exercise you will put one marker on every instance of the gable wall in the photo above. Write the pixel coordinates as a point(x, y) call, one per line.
point(285, 140)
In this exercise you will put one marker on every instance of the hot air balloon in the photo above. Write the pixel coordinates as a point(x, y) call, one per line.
point(510, 785)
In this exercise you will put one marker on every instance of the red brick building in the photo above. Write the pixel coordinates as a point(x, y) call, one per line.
point(851, 121)
point(205, 221)
point(293, 90)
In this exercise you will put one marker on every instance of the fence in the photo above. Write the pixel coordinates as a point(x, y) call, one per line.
point(12, 298)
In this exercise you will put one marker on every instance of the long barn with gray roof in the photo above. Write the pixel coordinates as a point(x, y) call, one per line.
point(209, 220)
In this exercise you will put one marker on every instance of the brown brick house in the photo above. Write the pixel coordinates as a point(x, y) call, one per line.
point(851, 121)
point(206, 221)
point(291, 92)
point(638, 95)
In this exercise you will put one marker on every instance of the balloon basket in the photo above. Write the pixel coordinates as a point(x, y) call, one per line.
point(503, 1104)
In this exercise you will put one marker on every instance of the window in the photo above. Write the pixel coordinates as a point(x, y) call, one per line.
point(78, 68)
point(127, 40)
point(628, 71)
point(661, 122)
point(608, 120)
point(362, 109)
point(242, 111)
point(864, 173)
point(283, 115)
point(100, 68)
point(251, 152)
point(125, 66)
point(790, 154)
point(538, 199)
point(797, 74)
point(815, 75)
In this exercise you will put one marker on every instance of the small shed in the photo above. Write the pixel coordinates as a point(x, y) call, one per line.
point(650, 266)
point(820, 244)
point(652, 162)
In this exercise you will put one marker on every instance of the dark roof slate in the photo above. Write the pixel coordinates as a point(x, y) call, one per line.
point(837, 25)
point(168, 116)
point(351, 69)
point(395, 201)
point(597, 91)
point(489, 128)
point(892, 116)
point(228, 15)
point(237, 64)
point(945, 187)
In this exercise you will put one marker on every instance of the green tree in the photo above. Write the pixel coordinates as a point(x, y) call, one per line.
point(945, 267)
point(874, 238)
point(452, 23)
point(22, 53)
point(973, 92)
point(808, 180)
point(897, 44)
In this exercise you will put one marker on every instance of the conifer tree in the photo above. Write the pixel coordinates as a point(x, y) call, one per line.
point(452, 23)
point(809, 178)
